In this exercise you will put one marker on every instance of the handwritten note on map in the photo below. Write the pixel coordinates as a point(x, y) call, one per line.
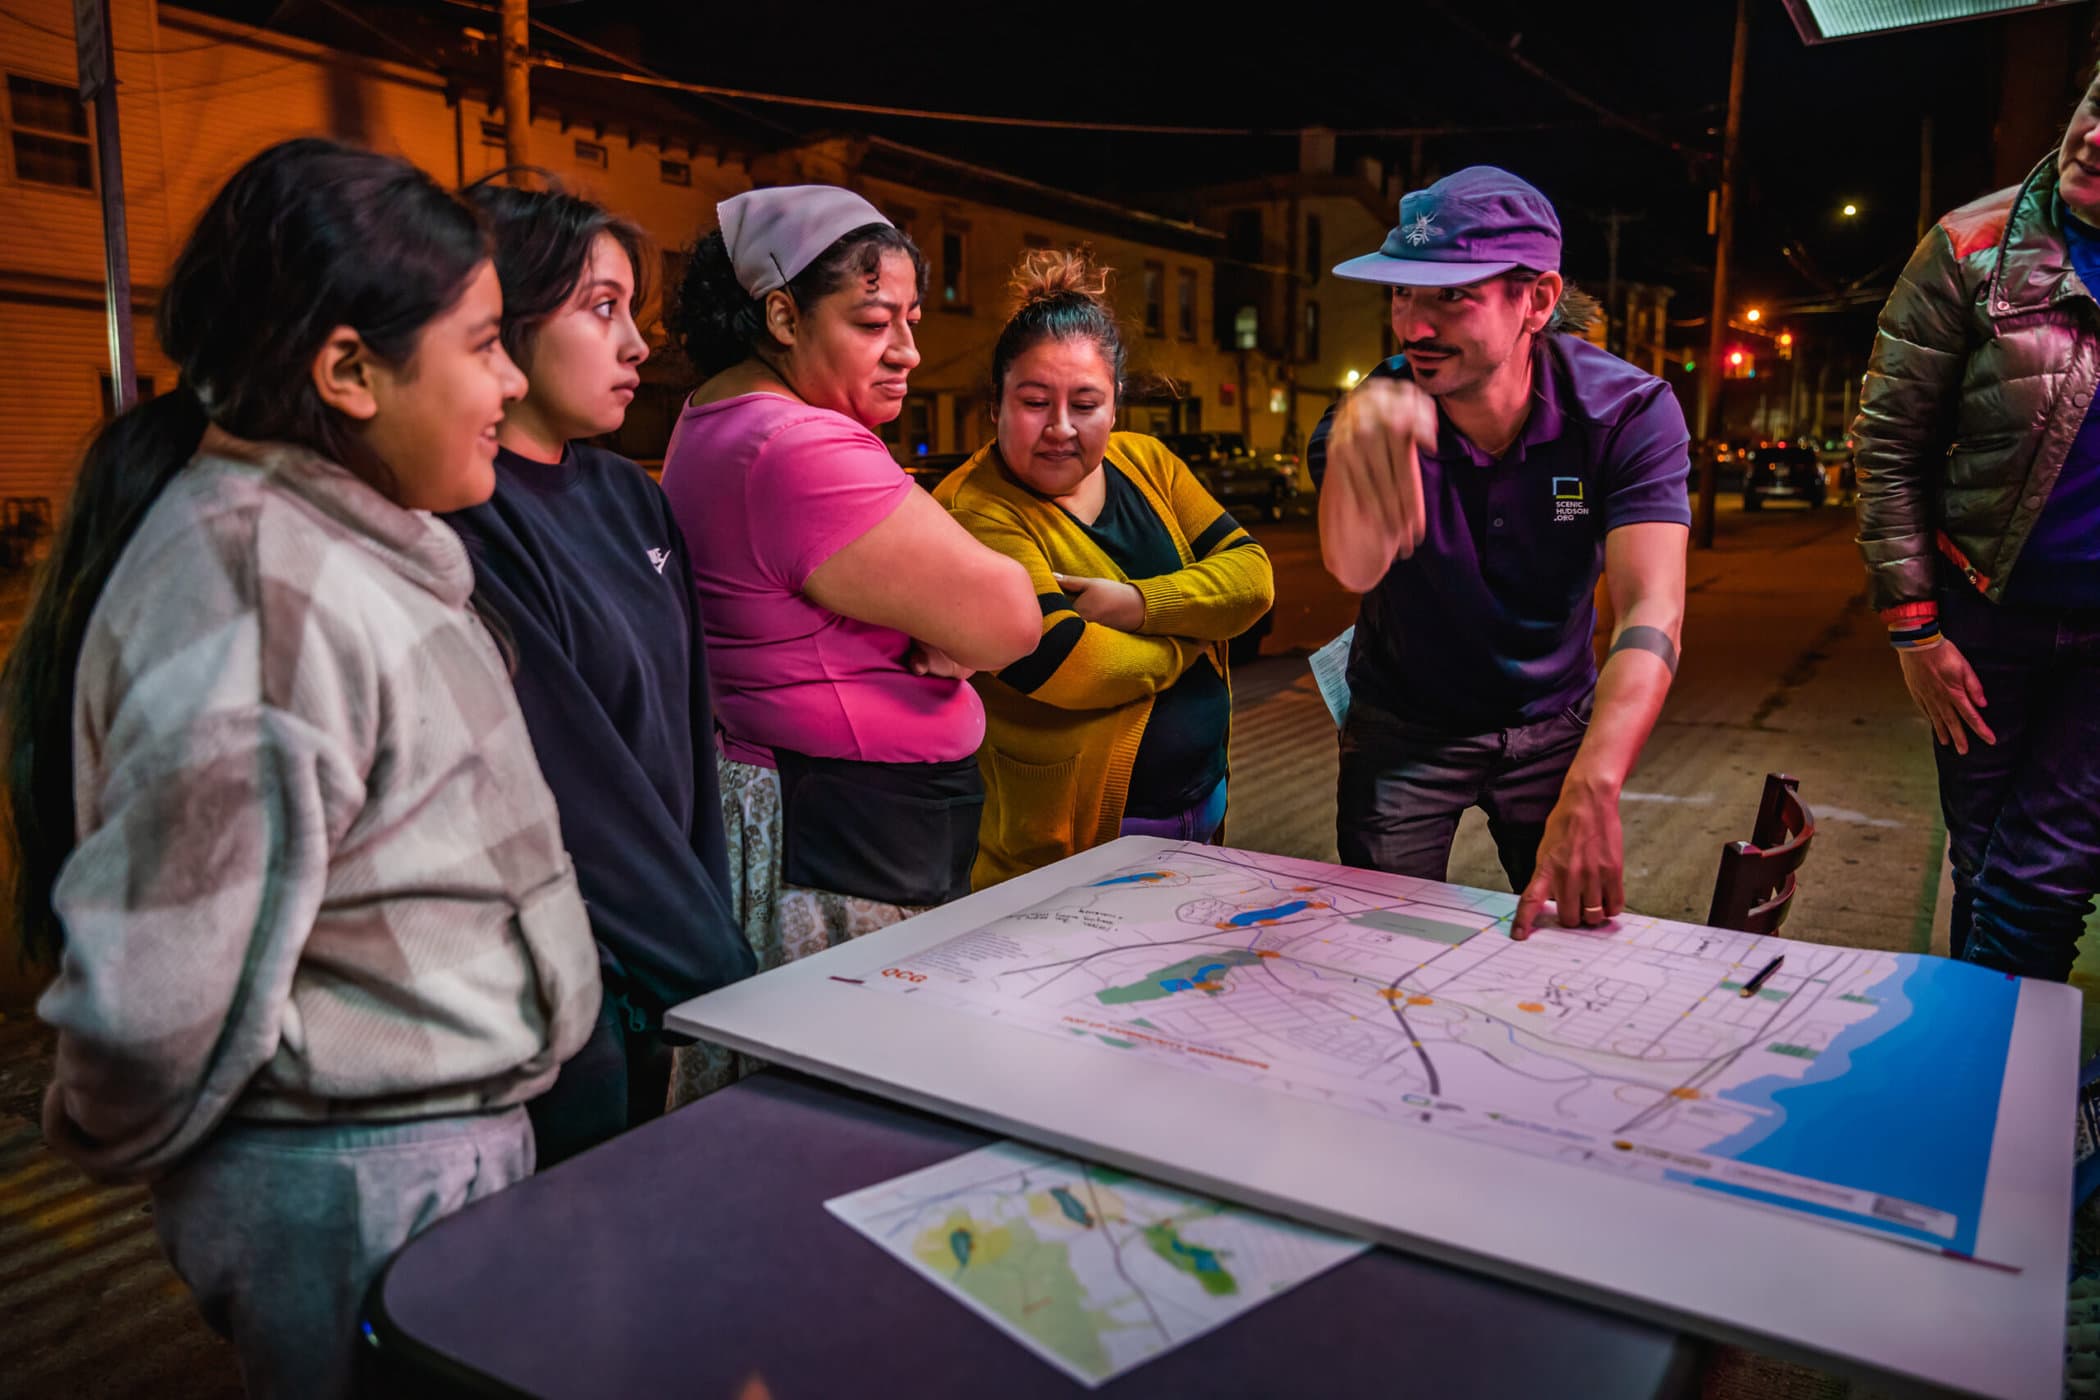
point(1094, 1270)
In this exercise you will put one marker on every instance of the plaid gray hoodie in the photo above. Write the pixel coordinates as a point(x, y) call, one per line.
point(318, 874)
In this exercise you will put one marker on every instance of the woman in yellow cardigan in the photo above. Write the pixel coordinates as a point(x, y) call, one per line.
point(1117, 723)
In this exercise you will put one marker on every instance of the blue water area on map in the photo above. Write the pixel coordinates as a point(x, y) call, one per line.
point(1281, 911)
point(1146, 877)
point(1903, 1103)
point(1182, 984)
point(1069, 1204)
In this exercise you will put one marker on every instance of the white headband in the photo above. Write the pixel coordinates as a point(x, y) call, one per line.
point(773, 234)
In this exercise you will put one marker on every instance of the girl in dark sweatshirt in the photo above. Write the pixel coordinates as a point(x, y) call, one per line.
point(578, 555)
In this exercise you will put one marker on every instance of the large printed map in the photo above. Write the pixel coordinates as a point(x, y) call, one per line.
point(1835, 1090)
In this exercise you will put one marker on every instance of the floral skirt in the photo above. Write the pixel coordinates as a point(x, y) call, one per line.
point(783, 922)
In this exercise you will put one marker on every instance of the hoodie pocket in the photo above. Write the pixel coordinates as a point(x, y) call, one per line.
point(552, 924)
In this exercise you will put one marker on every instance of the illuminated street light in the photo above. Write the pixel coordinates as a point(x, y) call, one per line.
point(1753, 315)
point(1852, 211)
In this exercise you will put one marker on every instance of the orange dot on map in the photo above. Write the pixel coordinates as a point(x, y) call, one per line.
point(1529, 1006)
point(1622, 1145)
point(1317, 904)
point(1304, 889)
point(1222, 923)
point(1684, 1091)
point(1421, 1001)
point(1267, 953)
point(1391, 994)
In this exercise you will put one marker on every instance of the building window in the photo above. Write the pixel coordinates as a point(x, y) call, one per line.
point(671, 265)
point(590, 153)
point(1315, 256)
point(1185, 303)
point(494, 134)
point(1155, 299)
point(49, 127)
point(1312, 331)
point(918, 426)
point(1246, 328)
point(675, 172)
point(955, 268)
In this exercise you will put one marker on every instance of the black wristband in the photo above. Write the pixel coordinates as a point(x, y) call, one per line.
point(1649, 639)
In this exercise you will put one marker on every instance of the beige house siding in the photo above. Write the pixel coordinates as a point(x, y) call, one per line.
point(197, 96)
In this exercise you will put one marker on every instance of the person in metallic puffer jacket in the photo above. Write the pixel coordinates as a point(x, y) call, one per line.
point(1978, 465)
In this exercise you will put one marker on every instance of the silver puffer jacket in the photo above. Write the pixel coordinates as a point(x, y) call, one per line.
point(1984, 363)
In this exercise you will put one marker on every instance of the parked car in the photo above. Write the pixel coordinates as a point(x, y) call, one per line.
point(1783, 471)
point(1236, 475)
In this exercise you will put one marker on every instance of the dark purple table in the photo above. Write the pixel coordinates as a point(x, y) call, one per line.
point(694, 1257)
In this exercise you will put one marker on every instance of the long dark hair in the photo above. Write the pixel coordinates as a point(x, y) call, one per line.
point(307, 236)
point(716, 323)
point(543, 244)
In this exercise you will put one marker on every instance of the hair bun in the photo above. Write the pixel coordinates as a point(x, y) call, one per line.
point(1051, 274)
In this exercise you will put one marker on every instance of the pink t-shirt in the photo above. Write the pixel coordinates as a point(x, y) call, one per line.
point(766, 489)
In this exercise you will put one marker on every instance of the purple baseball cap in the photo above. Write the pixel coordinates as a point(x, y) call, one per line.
point(774, 233)
point(1468, 226)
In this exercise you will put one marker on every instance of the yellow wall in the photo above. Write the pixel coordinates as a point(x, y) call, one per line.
point(197, 97)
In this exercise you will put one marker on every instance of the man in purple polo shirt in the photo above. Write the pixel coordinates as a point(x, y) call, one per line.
point(1473, 489)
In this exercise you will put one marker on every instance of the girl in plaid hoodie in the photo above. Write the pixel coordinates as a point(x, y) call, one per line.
point(276, 816)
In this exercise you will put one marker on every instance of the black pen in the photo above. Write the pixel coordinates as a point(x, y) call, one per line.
point(1750, 987)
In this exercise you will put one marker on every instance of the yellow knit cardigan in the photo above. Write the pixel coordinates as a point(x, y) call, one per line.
point(1063, 724)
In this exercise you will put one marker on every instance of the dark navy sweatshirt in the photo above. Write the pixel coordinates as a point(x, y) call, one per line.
point(583, 564)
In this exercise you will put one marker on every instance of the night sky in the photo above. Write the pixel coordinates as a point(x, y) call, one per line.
point(1823, 125)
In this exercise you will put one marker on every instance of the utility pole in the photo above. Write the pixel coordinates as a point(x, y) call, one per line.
point(1614, 323)
point(1724, 239)
point(516, 47)
point(98, 86)
point(1290, 323)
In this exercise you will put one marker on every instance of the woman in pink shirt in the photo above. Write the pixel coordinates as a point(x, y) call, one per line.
point(844, 610)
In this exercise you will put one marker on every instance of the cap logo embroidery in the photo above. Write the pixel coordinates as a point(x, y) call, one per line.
point(1420, 231)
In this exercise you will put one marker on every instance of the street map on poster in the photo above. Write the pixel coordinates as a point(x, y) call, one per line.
point(1630, 1050)
point(1093, 1269)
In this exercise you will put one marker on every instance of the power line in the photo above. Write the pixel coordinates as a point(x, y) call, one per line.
point(69, 37)
point(645, 79)
point(1580, 98)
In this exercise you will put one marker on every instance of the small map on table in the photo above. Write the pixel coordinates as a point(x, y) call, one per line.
point(1094, 1270)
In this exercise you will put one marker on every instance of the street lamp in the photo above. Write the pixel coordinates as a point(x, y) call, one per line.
point(1851, 211)
point(1753, 315)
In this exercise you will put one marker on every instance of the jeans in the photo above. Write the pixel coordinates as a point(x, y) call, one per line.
point(1404, 786)
point(1199, 823)
point(2023, 815)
